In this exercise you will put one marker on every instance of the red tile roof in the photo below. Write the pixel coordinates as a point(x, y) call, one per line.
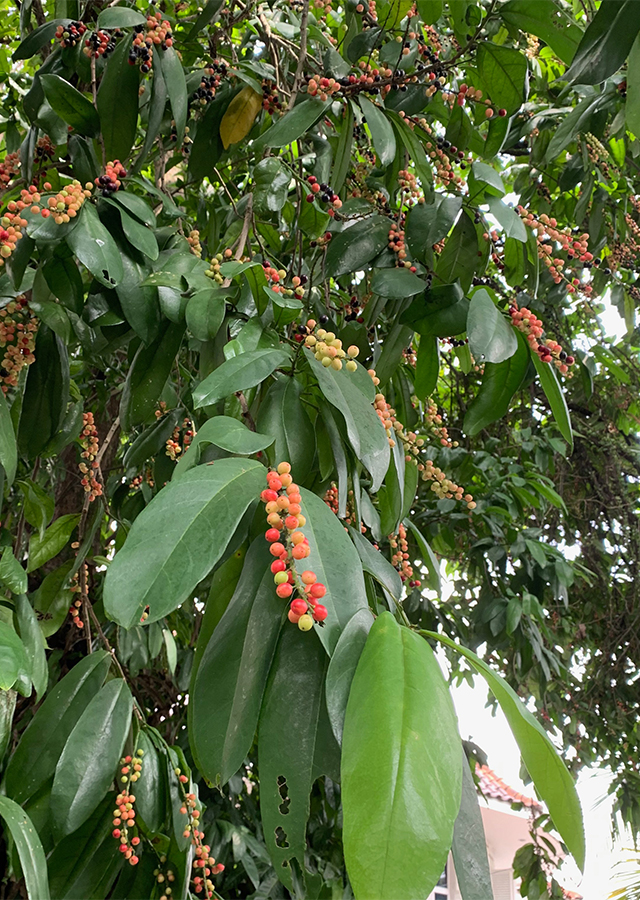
point(492, 785)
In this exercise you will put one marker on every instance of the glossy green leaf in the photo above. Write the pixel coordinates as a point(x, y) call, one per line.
point(499, 383)
point(29, 847)
point(119, 91)
point(174, 78)
point(606, 43)
point(95, 248)
point(136, 206)
point(342, 667)
point(342, 154)
point(632, 106)
point(41, 550)
point(38, 38)
point(429, 223)
point(550, 776)
point(238, 374)
point(442, 312)
point(381, 130)
point(427, 366)
point(548, 21)
point(271, 180)
point(46, 394)
point(233, 436)
point(223, 585)
point(151, 789)
point(396, 841)
point(12, 575)
point(282, 415)
point(139, 236)
point(429, 559)
point(350, 250)
point(139, 304)
point(286, 755)
point(72, 106)
point(7, 709)
point(415, 150)
point(555, 396)
point(293, 124)
point(509, 219)
point(165, 555)
point(8, 449)
point(396, 283)
point(233, 671)
point(504, 73)
point(33, 642)
point(14, 662)
point(148, 375)
point(35, 758)
point(366, 434)
point(492, 338)
point(97, 740)
point(459, 258)
point(208, 14)
point(469, 847)
point(120, 17)
point(171, 649)
point(205, 313)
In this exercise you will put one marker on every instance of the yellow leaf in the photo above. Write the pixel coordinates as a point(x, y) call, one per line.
point(239, 117)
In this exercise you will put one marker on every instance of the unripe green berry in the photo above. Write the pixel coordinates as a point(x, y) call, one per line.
point(305, 623)
point(281, 577)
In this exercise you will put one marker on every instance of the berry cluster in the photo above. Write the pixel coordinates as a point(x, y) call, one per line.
point(45, 148)
point(400, 556)
point(397, 243)
point(548, 234)
point(125, 814)
point(210, 82)
point(331, 498)
point(323, 87)
point(110, 182)
point(288, 544)
point(271, 102)
point(161, 878)
point(63, 206)
point(466, 93)
point(173, 446)
point(326, 193)
point(548, 350)
point(11, 226)
point(158, 33)
point(276, 276)
point(433, 421)
point(74, 609)
point(70, 35)
point(18, 327)
point(204, 864)
point(9, 167)
point(443, 487)
point(89, 465)
point(213, 271)
point(99, 43)
point(193, 239)
point(327, 348)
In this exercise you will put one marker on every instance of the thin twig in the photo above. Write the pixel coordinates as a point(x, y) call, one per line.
point(245, 410)
point(297, 81)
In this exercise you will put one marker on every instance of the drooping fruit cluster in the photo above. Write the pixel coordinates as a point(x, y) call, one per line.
point(210, 82)
point(99, 43)
point(443, 487)
point(204, 864)
point(110, 182)
point(288, 544)
point(328, 350)
point(548, 235)
point(324, 192)
point(276, 277)
point(400, 557)
point(45, 148)
point(125, 815)
point(173, 446)
point(331, 498)
point(158, 32)
point(18, 327)
point(74, 587)
point(9, 167)
point(193, 239)
point(89, 465)
point(548, 350)
point(323, 87)
point(71, 34)
point(271, 102)
point(63, 206)
point(433, 421)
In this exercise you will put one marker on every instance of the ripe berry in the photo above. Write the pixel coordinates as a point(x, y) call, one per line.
point(292, 523)
point(309, 577)
point(305, 623)
point(318, 590)
point(300, 551)
point(299, 607)
point(293, 618)
point(320, 612)
point(284, 591)
point(272, 534)
point(278, 566)
point(277, 549)
point(268, 496)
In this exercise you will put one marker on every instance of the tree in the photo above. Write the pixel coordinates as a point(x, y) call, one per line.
point(332, 273)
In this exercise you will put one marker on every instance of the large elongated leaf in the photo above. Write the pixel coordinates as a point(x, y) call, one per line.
point(547, 21)
point(396, 840)
point(46, 394)
point(632, 106)
point(282, 416)
point(353, 248)
point(376, 564)
point(606, 42)
point(343, 666)
point(8, 449)
point(555, 396)
point(504, 72)
point(36, 756)
point(366, 434)
point(470, 844)
point(33, 642)
point(239, 116)
point(238, 374)
point(30, 852)
point(232, 674)
point(95, 248)
point(72, 106)
point(499, 383)
point(148, 375)
point(550, 775)
point(459, 258)
point(89, 760)
point(293, 124)
point(13, 657)
point(427, 366)
point(491, 337)
point(178, 538)
point(174, 78)
point(381, 130)
point(119, 91)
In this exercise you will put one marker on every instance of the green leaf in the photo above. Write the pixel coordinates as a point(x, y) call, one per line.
point(550, 776)
point(12, 575)
point(342, 155)
point(509, 219)
point(428, 223)
point(555, 396)
point(232, 436)
point(119, 91)
point(54, 539)
point(499, 383)
point(427, 367)
point(429, 559)
point(158, 565)
point(139, 236)
point(286, 755)
point(459, 258)
point(136, 206)
point(30, 852)
point(606, 43)
point(139, 304)
point(31, 637)
point(504, 73)
point(151, 789)
point(148, 375)
point(72, 106)
point(282, 416)
point(174, 78)
point(443, 311)
point(396, 283)
point(238, 374)
point(208, 14)
point(293, 124)
point(89, 760)
point(492, 338)
point(470, 844)
point(430, 10)
point(400, 684)
point(632, 106)
point(232, 674)
point(381, 130)
point(337, 565)
point(37, 39)
point(351, 249)
point(205, 313)
point(342, 667)
point(488, 176)
point(223, 585)
point(366, 433)
point(577, 119)
point(548, 21)
point(13, 657)
point(120, 17)
point(172, 650)
point(271, 180)
point(46, 394)
point(8, 449)
point(95, 248)
point(36, 756)
point(415, 150)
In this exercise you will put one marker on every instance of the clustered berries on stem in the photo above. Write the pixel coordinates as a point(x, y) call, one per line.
point(549, 234)
point(193, 239)
point(63, 206)
point(110, 182)
point(204, 864)
point(158, 34)
point(322, 191)
point(74, 609)
point(71, 34)
point(9, 167)
point(125, 814)
point(18, 327)
point(400, 556)
point(327, 348)
point(173, 447)
point(89, 466)
point(548, 350)
point(288, 544)
point(100, 43)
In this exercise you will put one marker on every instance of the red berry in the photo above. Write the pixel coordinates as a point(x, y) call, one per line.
point(268, 496)
point(274, 482)
point(318, 590)
point(320, 612)
point(284, 590)
point(293, 617)
point(278, 566)
point(299, 607)
point(272, 534)
point(309, 577)
point(502, 112)
point(116, 831)
point(277, 549)
point(291, 522)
